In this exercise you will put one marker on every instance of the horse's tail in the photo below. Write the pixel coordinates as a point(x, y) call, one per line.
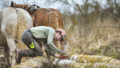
point(53, 20)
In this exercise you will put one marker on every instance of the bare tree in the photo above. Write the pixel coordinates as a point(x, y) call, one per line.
point(5, 3)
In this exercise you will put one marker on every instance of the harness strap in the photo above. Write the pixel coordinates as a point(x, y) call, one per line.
point(50, 12)
point(16, 10)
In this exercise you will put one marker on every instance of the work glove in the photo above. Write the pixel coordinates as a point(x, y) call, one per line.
point(64, 55)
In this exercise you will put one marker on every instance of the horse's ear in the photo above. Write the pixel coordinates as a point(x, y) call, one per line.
point(12, 4)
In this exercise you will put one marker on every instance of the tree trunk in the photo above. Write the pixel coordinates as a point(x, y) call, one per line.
point(36, 62)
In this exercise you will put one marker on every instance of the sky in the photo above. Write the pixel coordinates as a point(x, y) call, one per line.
point(50, 4)
point(46, 4)
point(59, 5)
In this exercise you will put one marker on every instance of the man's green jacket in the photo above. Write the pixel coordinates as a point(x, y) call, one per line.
point(44, 32)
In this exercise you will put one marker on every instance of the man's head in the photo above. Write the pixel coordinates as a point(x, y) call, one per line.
point(59, 35)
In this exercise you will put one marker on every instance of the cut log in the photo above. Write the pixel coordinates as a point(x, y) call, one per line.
point(75, 61)
point(87, 61)
point(36, 62)
point(73, 64)
point(64, 63)
point(93, 59)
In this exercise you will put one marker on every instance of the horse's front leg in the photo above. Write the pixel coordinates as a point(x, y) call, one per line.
point(12, 47)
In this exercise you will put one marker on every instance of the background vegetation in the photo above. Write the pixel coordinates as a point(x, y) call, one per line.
point(92, 26)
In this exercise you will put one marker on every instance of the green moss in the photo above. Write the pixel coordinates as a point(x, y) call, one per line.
point(75, 50)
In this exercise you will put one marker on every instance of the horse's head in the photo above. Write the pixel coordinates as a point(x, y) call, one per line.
point(23, 6)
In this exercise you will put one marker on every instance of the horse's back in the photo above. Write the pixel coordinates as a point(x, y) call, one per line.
point(12, 18)
point(42, 17)
point(25, 18)
point(14, 22)
point(9, 21)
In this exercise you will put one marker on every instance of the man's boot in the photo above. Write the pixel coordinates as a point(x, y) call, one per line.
point(30, 53)
point(26, 53)
point(18, 56)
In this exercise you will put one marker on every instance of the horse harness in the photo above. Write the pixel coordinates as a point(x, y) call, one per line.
point(50, 11)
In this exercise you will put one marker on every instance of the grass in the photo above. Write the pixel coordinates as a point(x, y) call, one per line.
point(111, 50)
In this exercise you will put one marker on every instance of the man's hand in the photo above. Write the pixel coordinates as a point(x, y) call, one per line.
point(64, 57)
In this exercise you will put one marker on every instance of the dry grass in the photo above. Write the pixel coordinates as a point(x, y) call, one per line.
point(86, 38)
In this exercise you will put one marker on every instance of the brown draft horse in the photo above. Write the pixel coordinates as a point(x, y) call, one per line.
point(43, 17)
